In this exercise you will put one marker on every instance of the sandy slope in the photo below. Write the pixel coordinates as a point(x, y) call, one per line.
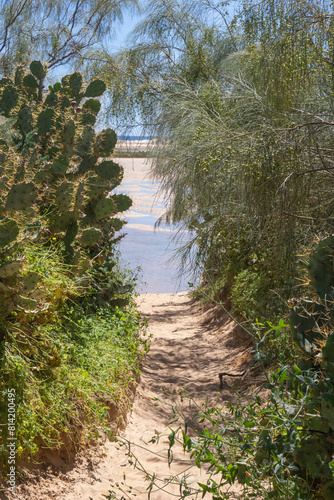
point(186, 352)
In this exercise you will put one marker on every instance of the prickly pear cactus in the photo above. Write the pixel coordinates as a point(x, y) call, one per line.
point(90, 236)
point(328, 354)
point(109, 170)
point(310, 319)
point(52, 169)
point(9, 231)
point(321, 270)
point(95, 89)
point(313, 455)
point(306, 323)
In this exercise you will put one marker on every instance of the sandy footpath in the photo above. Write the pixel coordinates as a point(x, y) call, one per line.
point(185, 351)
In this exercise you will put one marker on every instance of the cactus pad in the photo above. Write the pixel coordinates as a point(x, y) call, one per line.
point(42, 176)
point(122, 202)
point(36, 67)
point(104, 208)
point(9, 100)
point(8, 231)
point(109, 170)
point(68, 133)
point(24, 120)
point(328, 354)
point(51, 100)
point(306, 322)
point(30, 281)
point(321, 269)
point(64, 102)
point(117, 224)
point(10, 268)
point(5, 81)
point(316, 423)
point(108, 229)
point(106, 141)
point(85, 142)
point(80, 195)
point(87, 163)
point(30, 83)
point(95, 88)
point(70, 235)
point(45, 121)
point(19, 173)
point(62, 223)
point(87, 221)
point(21, 196)
point(3, 158)
point(59, 165)
point(327, 409)
point(90, 236)
point(92, 106)
point(3, 184)
point(27, 304)
point(312, 454)
point(75, 83)
point(64, 196)
point(327, 491)
point(19, 74)
point(96, 186)
point(88, 119)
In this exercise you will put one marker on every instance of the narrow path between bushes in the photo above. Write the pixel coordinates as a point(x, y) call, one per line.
point(188, 350)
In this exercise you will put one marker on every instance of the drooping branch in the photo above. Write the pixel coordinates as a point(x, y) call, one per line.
point(62, 30)
point(13, 13)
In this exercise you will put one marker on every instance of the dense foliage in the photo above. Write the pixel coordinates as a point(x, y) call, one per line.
point(57, 32)
point(243, 104)
point(273, 444)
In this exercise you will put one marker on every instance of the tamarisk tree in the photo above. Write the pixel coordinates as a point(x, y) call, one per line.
point(55, 31)
point(241, 95)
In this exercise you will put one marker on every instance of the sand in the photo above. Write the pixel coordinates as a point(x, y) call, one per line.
point(137, 182)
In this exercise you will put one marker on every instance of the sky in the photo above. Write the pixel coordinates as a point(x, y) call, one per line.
point(124, 29)
point(121, 31)
point(119, 41)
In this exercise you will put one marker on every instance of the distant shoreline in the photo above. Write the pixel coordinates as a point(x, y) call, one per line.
point(136, 143)
point(135, 147)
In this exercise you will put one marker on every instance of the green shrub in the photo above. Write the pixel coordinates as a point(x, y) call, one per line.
point(66, 376)
point(279, 446)
point(249, 293)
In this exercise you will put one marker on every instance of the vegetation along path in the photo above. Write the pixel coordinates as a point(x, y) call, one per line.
point(188, 350)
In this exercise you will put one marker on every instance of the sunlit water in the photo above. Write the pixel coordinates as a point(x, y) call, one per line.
point(146, 251)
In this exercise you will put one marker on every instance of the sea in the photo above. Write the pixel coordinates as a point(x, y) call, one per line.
point(134, 137)
point(148, 251)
